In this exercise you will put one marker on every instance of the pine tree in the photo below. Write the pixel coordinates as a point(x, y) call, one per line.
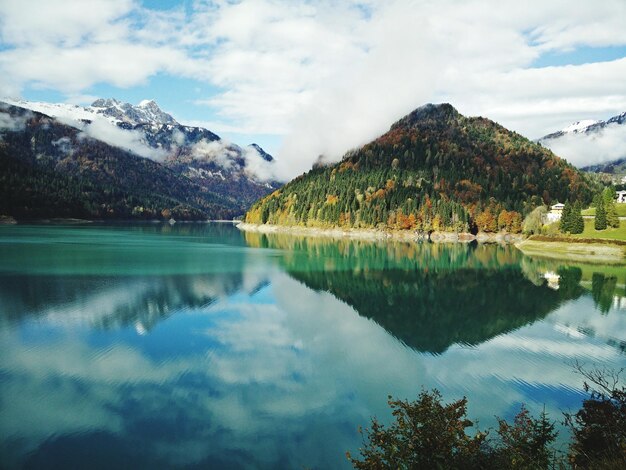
point(578, 224)
point(600, 222)
point(612, 219)
point(565, 225)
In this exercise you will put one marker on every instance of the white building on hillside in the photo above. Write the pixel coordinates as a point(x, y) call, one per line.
point(621, 197)
point(555, 213)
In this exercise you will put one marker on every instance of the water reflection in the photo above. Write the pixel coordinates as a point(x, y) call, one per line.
point(270, 352)
point(428, 295)
point(110, 302)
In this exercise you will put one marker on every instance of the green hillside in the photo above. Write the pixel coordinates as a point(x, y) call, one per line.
point(434, 170)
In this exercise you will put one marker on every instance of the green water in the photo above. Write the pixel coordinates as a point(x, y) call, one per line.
point(198, 346)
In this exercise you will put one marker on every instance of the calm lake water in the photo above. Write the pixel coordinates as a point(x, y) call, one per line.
point(199, 346)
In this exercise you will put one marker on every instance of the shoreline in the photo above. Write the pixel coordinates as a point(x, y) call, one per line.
point(596, 252)
point(377, 234)
point(74, 221)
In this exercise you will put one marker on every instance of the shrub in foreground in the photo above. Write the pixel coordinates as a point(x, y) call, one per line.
point(429, 434)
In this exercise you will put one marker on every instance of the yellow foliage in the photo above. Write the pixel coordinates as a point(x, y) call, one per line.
point(346, 166)
point(437, 223)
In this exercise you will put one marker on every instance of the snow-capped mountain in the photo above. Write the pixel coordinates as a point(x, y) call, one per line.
point(150, 132)
point(114, 110)
point(585, 126)
point(211, 176)
point(160, 129)
point(588, 143)
point(145, 111)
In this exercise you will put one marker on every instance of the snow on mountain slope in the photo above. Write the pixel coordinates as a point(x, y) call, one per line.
point(146, 111)
point(585, 126)
point(61, 111)
point(579, 126)
point(114, 110)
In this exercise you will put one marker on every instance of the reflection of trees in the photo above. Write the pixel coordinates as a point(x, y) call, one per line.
point(431, 310)
point(117, 275)
point(603, 290)
point(111, 302)
point(604, 282)
point(428, 295)
point(314, 254)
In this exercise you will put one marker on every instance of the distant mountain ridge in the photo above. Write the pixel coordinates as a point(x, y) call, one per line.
point(158, 129)
point(209, 177)
point(434, 170)
point(585, 127)
point(597, 146)
point(615, 167)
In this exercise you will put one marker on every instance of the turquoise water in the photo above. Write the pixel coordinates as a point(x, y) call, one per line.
point(198, 346)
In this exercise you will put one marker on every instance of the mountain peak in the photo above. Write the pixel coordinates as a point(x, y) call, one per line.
point(148, 104)
point(584, 127)
point(442, 112)
point(105, 103)
point(147, 111)
point(619, 119)
point(434, 170)
point(264, 155)
point(579, 126)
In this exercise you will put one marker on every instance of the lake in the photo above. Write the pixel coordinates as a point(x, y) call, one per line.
point(199, 346)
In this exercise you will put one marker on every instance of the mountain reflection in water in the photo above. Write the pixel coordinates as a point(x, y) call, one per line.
point(430, 296)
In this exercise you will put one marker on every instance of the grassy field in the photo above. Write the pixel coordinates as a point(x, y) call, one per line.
point(576, 252)
point(586, 247)
point(621, 210)
point(609, 233)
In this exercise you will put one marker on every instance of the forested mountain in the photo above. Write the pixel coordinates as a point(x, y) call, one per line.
point(434, 170)
point(114, 160)
point(49, 169)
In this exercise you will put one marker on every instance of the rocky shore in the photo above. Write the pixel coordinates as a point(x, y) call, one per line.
point(375, 234)
point(7, 220)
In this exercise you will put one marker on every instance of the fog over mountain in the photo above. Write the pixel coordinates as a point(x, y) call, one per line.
point(590, 142)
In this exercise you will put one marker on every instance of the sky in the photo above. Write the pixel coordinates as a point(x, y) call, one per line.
point(309, 78)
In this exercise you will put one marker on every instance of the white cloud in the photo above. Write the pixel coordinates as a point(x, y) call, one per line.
point(542, 100)
point(588, 149)
point(257, 167)
point(224, 152)
point(71, 70)
point(12, 123)
point(64, 143)
point(178, 137)
point(101, 128)
point(339, 83)
point(329, 75)
point(219, 151)
point(66, 23)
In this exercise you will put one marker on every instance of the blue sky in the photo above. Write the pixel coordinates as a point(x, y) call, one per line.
point(304, 78)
